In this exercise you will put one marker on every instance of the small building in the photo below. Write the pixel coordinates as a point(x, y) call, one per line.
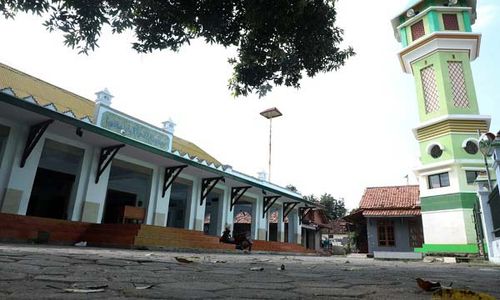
point(393, 220)
point(338, 233)
point(315, 223)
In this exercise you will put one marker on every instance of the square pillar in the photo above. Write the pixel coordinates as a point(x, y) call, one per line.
point(281, 224)
point(197, 211)
point(259, 223)
point(20, 182)
point(225, 217)
point(95, 194)
point(294, 228)
point(158, 205)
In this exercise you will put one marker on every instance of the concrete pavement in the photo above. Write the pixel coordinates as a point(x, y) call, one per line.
point(53, 272)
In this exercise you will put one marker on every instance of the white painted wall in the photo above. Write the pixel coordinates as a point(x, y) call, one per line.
point(445, 227)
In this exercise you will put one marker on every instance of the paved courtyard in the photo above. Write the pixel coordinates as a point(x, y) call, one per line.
point(51, 272)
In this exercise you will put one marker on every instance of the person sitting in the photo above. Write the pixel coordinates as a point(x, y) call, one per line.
point(226, 237)
point(243, 241)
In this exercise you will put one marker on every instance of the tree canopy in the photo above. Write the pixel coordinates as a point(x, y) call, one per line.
point(334, 208)
point(277, 41)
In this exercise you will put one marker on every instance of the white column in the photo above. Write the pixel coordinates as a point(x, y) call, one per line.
point(281, 224)
point(161, 204)
point(95, 194)
point(154, 197)
point(259, 222)
point(294, 228)
point(7, 159)
point(82, 180)
point(20, 182)
point(225, 217)
point(197, 211)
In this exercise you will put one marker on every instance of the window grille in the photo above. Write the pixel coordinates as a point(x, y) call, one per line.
point(450, 22)
point(431, 94)
point(458, 86)
point(417, 30)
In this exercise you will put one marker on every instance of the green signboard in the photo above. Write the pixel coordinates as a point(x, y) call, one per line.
point(135, 130)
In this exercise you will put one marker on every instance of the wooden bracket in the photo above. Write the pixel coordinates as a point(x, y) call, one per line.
point(171, 174)
point(36, 132)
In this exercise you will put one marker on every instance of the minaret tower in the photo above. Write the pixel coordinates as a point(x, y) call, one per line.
point(438, 47)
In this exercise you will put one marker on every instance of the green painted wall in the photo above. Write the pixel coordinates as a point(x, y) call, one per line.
point(433, 21)
point(449, 201)
point(404, 36)
point(467, 24)
point(453, 148)
point(439, 60)
point(443, 248)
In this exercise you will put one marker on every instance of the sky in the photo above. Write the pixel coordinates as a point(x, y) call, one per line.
point(340, 132)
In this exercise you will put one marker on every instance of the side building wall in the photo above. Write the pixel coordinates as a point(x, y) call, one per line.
point(401, 235)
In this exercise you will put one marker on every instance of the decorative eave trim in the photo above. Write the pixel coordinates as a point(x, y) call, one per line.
point(440, 119)
point(8, 91)
point(31, 99)
point(440, 41)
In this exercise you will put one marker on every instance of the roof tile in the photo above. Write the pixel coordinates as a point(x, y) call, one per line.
point(391, 197)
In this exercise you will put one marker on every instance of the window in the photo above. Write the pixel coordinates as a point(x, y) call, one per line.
point(430, 90)
point(417, 30)
point(436, 151)
point(471, 147)
point(471, 176)
point(439, 180)
point(450, 22)
point(385, 231)
point(458, 86)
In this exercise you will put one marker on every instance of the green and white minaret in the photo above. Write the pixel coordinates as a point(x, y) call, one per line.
point(438, 47)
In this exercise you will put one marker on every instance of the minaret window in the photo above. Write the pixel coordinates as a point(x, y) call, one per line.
point(458, 86)
point(431, 94)
point(436, 151)
point(471, 147)
point(439, 180)
point(471, 176)
point(417, 30)
point(450, 22)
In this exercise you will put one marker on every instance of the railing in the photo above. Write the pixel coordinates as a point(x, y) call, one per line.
point(494, 202)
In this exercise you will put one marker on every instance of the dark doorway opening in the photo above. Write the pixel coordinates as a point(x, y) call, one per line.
point(273, 232)
point(240, 228)
point(50, 194)
point(115, 201)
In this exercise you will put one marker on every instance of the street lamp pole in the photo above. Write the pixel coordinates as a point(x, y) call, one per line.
point(270, 114)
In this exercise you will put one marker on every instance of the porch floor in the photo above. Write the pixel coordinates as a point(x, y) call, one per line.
point(17, 228)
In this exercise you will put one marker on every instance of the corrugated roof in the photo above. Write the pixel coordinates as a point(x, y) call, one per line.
point(185, 146)
point(390, 197)
point(24, 85)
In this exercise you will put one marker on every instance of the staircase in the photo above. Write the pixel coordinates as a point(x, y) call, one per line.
point(26, 228)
